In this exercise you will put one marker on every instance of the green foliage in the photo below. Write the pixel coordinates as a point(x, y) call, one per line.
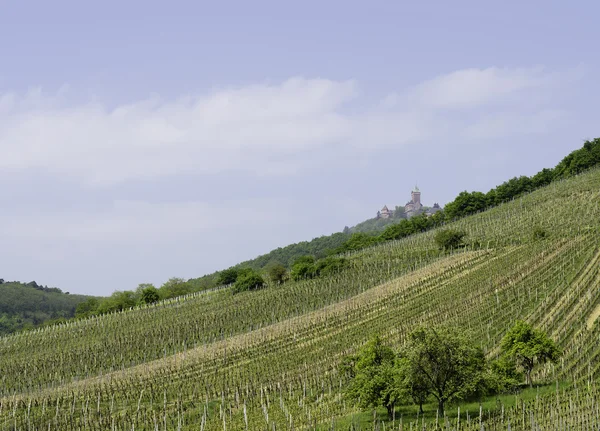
point(443, 363)
point(87, 308)
point(449, 239)
point(308, 259)
point(302, 271)
point(357, 241)
point(306, 267)
point(29, 305)
point(227, 276)
point(319, 247)
point(277, 272)
point(373, 376)
point(528, 347)
point(174, 287)
point(330, 265)
point(118, 301)
point(464, 204)
point(503, 377)
point(250, 280)
point(149, 294)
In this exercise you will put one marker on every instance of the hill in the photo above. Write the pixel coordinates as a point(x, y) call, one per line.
point(270, 359)
point(374, 230)
point(28, 305)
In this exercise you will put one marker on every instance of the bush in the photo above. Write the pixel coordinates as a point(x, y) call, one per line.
point(449, 239)
point(277, 272)
point(249, 281)
point(149, 295)
point(330, 265)
point(302, 271)
point(227, 276)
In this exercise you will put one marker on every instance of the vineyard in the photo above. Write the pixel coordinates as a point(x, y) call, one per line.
point(268, 359)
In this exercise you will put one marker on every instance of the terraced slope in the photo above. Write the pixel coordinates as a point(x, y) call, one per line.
point(268, 359)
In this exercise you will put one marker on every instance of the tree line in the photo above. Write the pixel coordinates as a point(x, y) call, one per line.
point(26, 306)
point(443, 365)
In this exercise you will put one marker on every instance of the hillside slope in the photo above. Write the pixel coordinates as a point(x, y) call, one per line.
point(27, 305)
point(269, 359)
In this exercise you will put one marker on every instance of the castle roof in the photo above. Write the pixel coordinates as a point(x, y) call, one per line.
point(416, 189)
point(385, 208)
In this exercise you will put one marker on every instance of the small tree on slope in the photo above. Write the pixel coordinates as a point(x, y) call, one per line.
point(528, 347)
point(444, 364)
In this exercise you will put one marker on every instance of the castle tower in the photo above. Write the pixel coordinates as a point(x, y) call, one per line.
point(416, 197)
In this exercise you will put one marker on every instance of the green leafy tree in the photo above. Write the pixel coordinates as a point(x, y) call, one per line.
point(303, 268)
point(464, 204)
point(174, 287)
point(330, 265)
point(277, 272)
point(227, 276)
point(414, 384)
point(304, 259)
point(251, 280)
point(149, 294)
point(87, 308)
point(528, 347)
point(443, 364)
point(449, 239)
point(373, 375)
point(118, 301)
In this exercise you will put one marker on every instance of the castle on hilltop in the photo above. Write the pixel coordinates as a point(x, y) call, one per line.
point(412, 207)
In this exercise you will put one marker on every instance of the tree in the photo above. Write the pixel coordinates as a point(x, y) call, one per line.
point(227, 276)
point(303, 268)
point(528, 347)
point(449, 238)
point(373, 376)
point(251, 280)
point(277, 272)
point(443, 364)
point(174, 287)
point(118, 301)
point(466, 203)
point(329, 265)
point(149, 294)
point(414, 384)
point(87, 308)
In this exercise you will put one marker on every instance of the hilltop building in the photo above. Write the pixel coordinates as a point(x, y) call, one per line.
point(385, 213)
point(435, 208)
point(412, 207)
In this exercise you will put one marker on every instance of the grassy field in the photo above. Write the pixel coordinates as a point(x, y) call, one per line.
point(268, 359)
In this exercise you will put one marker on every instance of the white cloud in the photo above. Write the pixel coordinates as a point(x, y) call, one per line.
point(247, 128)
point(471, 88)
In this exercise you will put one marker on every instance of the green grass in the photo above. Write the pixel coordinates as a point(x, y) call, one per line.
point(491, 406)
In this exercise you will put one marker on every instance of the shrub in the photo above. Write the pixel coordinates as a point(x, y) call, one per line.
point(449, 239)
point(249, 281)
point(330, 265)
point(301, 271)
point(277, 272)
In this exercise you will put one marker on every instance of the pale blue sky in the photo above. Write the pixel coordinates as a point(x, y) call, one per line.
point(145, 140)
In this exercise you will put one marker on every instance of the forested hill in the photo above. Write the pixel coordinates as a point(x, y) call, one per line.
point(374, 230)
point(27, 305)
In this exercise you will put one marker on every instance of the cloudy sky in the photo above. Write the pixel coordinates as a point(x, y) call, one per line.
point(143, 140)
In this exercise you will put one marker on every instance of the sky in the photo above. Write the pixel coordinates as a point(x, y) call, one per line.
point(145, 140)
